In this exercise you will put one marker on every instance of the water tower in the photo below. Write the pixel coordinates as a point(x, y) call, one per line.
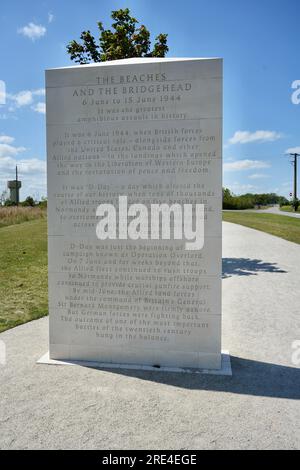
point(14, 189)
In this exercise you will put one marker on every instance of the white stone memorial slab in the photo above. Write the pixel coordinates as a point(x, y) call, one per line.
point(151, 130)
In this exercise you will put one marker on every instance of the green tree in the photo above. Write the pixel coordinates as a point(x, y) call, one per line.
point(9, 203)
point(249, 200)
point(123, 41)
point(43, 202)
point(29, 201)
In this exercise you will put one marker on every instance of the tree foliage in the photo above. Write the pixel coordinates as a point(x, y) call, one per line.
point(29, 201)
point(123, 40)
point(249, 200)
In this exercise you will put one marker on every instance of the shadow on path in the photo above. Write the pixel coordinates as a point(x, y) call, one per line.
point(247, 267)
point(249, 378)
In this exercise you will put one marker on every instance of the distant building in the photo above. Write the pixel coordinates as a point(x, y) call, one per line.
point(14, 189)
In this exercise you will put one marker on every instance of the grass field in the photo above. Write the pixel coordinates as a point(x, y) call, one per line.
point(278, 225)
point(288, 209)
point(17, 215)
point(23, 273)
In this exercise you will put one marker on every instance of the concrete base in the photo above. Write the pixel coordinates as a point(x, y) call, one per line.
point(225, 367)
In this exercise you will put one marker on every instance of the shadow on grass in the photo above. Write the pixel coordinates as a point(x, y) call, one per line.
point(247, 267)
point(249, 378)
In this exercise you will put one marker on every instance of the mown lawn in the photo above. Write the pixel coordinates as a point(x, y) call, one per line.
point(289, 209)
point(23, 273)
point(278, 225)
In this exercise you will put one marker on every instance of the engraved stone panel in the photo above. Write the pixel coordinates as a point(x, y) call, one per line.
point(151, 130)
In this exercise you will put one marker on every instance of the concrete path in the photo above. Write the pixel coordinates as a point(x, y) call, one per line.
point(63, 407)
point(276, 210)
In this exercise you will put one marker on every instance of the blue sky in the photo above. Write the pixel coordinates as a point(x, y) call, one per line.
point(258, 40)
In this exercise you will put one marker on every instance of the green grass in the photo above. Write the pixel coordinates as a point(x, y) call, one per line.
point(18, 215)
point(288, 209)
point(278, 225)
point(23, 273)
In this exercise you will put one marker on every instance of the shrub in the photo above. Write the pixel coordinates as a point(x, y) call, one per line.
point(29, 201)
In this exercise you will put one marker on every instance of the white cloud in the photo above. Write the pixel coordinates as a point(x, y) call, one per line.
point(32, 166)
point(238, 188)
point(50, 17)
point(245, 165)
point(6, 139)
point(245, 137)
point(33, 31)
point(39, 107)
point(293, 150)
point(257, 176)
point(23, 98)
point(26, 166)
point(7, 150)
point(39, 92)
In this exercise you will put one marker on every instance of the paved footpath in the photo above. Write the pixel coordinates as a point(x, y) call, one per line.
point(276, 210)
point(64, 407)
